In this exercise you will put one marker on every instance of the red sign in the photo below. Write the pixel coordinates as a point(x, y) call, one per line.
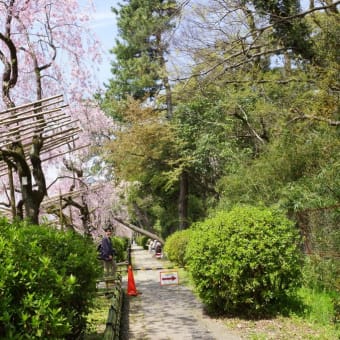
point(168, 278)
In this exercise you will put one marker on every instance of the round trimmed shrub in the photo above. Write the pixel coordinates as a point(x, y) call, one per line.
point(47, 282)
point(245, 261)
point(176, 245)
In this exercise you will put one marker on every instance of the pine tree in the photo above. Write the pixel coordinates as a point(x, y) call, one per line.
point(139, 70)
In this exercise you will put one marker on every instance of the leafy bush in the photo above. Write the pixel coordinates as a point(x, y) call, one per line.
point(176, 245)
point(245, 260)
point(119, 244)
point(142, 240)
point(47, 282)
point(320, 273)
point(126, 242)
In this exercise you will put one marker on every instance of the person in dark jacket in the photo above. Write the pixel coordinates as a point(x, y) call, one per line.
point(108, 253)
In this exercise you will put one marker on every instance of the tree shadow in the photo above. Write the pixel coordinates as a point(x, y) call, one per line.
point(124, 321)
point(284, 307)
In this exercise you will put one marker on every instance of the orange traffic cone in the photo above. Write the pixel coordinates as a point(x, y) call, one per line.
point(131, 289)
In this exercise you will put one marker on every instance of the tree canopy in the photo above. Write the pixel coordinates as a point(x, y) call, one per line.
point(255, 106)
point(47, 121)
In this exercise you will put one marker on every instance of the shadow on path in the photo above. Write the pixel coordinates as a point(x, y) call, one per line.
point(165, 311)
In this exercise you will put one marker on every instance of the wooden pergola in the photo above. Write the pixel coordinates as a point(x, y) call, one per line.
point(45, 118)
point(23, 122)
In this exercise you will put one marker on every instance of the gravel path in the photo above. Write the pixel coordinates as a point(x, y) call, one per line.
point(163, 312)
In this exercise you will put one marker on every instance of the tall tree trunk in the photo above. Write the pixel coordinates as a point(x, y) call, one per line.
point(183, 201)
point(32, 209)
point(168, 95)
point(35, 197)
point(303, 224)
point(287, 64)
point(11, 191)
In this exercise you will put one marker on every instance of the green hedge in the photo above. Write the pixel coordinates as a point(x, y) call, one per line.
point(245, 261)
point(47, 282)
point(142, 241)
point(120, 245)
point(176, 245)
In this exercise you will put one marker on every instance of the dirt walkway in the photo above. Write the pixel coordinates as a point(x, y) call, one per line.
point(165, 311)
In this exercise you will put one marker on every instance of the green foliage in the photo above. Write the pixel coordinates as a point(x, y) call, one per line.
point(321, 273)
point(142, 241)
point(318, 305)
point(142, 153)
point(47, 282)
point(256, 123)
point(293, 32)
point(120, 246)
point(201, 127)
point(139, 67)
point(322, 266)
point(336, 304)
point(246, 260)
point(176, 245)
point(299, 170)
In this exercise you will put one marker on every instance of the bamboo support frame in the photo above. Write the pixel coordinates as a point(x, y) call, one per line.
point(65, 153)
point(33, 104)
point(73, 194)
point(55, 142)
point(27, 135)
point(25, 131)
point(34, 115)
point(46, 118)
point(55, 126)
point(30, 127)
point(62, 125)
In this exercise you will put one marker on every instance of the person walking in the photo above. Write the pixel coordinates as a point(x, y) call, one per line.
point(107, 253)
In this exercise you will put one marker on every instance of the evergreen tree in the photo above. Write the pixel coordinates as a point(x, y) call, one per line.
point(288, 27)
point(139, 70)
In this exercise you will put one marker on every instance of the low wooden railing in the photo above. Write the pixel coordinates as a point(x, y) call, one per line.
point(112, 328)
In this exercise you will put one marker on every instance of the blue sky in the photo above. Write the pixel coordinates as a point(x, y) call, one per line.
point(103, 23)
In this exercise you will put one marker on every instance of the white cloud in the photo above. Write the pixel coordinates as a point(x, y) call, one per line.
point(103, 19)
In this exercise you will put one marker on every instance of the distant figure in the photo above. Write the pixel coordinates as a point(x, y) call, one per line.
point(153, 247)
point(158, 250)
point(107, 253)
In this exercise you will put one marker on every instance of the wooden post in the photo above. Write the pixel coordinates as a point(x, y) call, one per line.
point(61, 210)
point(11, 190)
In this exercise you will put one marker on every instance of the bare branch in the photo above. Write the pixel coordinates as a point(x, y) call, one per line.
point(312, 117)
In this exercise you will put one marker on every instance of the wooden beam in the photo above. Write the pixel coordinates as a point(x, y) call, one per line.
point(22, 122)
point(73, 194)
point(139, 230)
point(66, 152)
point(59, 127)
point(27, 131)
point(31, 104)
point(64, 135)
point(57, 118)
point(10, 121)
point(61, 142)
